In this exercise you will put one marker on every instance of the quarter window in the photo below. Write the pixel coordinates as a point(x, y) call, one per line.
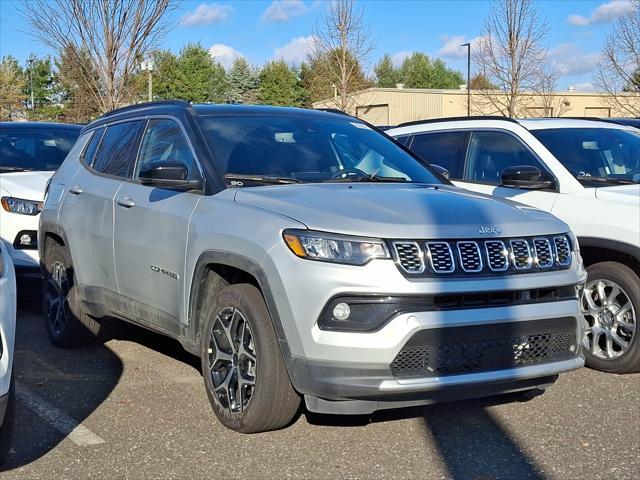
point(116, 154)
point(163, 141)
point(92, 146)
point(442, 149)
point(490, 153)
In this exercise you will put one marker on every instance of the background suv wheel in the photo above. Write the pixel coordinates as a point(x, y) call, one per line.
point(610, 306)
point(244, 373)
point(67, 325)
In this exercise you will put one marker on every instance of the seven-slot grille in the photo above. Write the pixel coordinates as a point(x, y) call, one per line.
point(563, 251)
point(489, 256)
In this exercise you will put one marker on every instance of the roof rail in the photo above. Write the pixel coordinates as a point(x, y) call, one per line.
point(334, 110)
point(135, 106)
point(450, 119)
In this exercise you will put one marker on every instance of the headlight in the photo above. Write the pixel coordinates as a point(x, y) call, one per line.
point(21, 206)
point(333, 248)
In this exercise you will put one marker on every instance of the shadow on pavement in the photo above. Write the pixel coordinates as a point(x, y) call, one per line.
point(74, 382)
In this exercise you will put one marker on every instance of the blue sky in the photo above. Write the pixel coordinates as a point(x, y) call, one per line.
point(263, 30)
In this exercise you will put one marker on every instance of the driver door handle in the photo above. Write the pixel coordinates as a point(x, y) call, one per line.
point(126, 202)
point(76, 190)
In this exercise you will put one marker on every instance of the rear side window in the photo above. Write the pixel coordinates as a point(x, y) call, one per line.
point(442, 149)
point(92, 146)
point(116, 154)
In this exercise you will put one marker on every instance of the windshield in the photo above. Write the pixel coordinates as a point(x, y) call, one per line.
point(595, 154)
point(34, 149)
point(305, 149)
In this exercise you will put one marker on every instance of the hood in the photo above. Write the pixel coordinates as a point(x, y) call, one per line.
point(400, 210)
point(627, 194)
point(27, 185)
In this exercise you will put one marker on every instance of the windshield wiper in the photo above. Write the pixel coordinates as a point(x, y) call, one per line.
point(614, 181)
point(371, 178)
point(6, 168)
point(238, 180)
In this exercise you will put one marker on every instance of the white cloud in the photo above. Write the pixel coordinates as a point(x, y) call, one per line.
point(583, 87)
point(224, 54)
point(283, 10)
point(570, 60)
point(604, 13)
point(452, 46)
point(399, 57)
point(296, 51)
point(206, 14)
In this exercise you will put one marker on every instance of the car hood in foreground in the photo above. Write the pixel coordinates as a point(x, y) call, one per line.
point(27, 185)
point(401, 210)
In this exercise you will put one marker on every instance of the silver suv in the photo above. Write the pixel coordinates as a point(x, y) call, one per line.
point(304, 254)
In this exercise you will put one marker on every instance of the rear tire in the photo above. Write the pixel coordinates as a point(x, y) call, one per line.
point(611, 309)
point(244, 373)
point(67, 324)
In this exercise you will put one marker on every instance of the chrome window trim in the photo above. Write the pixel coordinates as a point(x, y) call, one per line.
point(453, 260)
point(423, 266)
point(464, 269)
point(504, 248)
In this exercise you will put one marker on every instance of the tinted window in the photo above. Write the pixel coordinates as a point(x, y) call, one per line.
point(440, 149)
point(595, 152)
point(34, 149)
point(92, 146)
point(490, 153)
point(117, 149)
point(163, 141)
point(307, 148)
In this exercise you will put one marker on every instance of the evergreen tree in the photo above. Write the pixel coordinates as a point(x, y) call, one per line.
point(280, 85)
point(418, 71)
point(387, 75)
point(80, 102)
point(242, 82)
point(321, 78)
point(12, 85)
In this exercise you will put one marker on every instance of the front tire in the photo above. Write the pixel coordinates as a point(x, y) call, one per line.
point(244, 373)
point(67, 324)
point(610, 308)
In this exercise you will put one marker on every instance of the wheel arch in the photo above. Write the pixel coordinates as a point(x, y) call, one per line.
point(594, 250)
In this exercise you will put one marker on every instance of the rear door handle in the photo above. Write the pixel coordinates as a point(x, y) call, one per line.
point(126, 202)
point(76, 190)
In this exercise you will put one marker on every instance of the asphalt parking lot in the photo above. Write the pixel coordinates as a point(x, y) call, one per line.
point(135, 407)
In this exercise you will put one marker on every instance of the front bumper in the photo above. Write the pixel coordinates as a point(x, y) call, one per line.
point(13, 227)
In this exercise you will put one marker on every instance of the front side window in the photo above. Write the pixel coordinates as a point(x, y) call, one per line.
point(595, 154)
point(44, 149)
point(116, 154)
point(301, 148)
point(163, 141)
point(490, 153)
point(442, 148)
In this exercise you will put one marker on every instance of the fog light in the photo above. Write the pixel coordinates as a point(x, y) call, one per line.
point(341, 311)
point(25, 239)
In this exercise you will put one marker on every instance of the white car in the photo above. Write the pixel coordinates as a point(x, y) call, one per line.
point(586, 172)
point(7, 340)
point(29, 154)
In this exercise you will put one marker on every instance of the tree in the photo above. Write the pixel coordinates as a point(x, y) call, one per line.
point(480, 82)
point(280, 85)
point(12, 86)
point(80, 104)
point(387, 75)
point(510, 54)
point(618, 74)
point(114, 35)
point(418, 71)
point(242, 82)
point(342, 43)
point(320, 84)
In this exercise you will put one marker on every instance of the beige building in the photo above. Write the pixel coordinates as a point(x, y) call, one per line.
point(391, 106)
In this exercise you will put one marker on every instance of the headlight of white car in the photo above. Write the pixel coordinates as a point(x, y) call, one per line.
point(21, 206)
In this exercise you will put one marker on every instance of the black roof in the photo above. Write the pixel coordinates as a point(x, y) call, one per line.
point(634, 122)
point(179, 106)
point(454, 119)
point(40, 125)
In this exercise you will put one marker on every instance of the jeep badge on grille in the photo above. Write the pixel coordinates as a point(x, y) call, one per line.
point(488, 230)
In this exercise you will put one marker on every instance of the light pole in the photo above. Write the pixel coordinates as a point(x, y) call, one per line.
point(30, 62)
point(468, 45)
point(148, 65)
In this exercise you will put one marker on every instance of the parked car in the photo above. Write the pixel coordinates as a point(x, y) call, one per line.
point(29, 154)
point(7, 341)
point(586, 173)
point(632, 122)
point(304, 253)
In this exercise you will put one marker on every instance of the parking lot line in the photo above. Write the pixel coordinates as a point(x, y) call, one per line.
point(77, 433)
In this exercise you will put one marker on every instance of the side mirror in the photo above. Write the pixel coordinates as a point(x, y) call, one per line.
point(168, 174)
point(441, 170)
point(525, 176)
